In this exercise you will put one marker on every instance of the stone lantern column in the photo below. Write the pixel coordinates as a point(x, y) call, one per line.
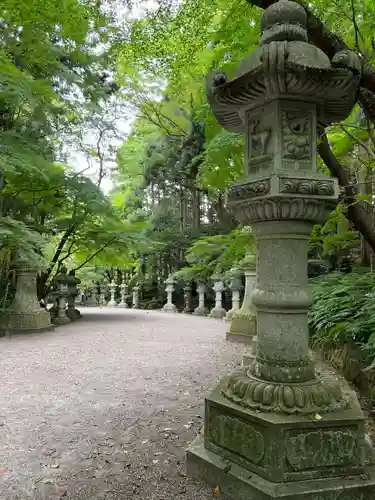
point(112, 290)
point(72, 282)
point(135, 304)
point(187, 297)
point(243, 327)
point(123, 293)
point(218, 311)
point(235, 286)
point(169, 306)
point(201, 310)
point(279, 429)
point(25, 315)
point(61, 295)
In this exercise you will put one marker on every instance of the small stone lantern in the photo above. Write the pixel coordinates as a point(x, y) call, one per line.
point(201, 310)
point(25, 315)
point(218, 310)
point(235, 286)
point(279, 429)
point(169, 306)
point(135, 304)
point(112, 288)
point(72, 281)
point(243, 327)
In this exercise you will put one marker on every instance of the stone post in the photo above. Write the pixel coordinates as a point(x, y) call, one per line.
point(25, 315)
point(91, 299)
point(235, 286)
point(123, 293)
point(135, 304)
point(72, 283)
point(112, 289)
point(279, 429)
point(244, 322)
point(218, 310)
point(61, 295)
point(169, 306)
point(187, 296)
point(201, 310)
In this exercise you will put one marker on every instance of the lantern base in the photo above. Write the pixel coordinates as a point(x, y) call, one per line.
point(13, 323)
point(238, 484)
point(61, 321)
point(242, 338)
point(253, 455)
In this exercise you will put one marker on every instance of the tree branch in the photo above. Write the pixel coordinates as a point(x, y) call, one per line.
point(96, 253)
point(356, 211)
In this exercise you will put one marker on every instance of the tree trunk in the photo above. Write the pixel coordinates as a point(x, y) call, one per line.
point(355, 210)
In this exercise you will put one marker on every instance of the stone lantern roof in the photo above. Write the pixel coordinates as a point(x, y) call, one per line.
point(286, 65)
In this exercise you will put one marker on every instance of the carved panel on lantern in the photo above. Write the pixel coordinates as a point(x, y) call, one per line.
point(310, 450)
point(296, 140)
point(258, 149)
point(238, 437)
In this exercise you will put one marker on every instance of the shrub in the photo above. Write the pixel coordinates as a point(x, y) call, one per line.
point(343, 309)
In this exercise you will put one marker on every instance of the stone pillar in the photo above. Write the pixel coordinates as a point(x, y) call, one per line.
point(72, 283)
point(169, 306)
point(235, 286)
point(244, 322)
point(187, 296)
point(218, 311)
point(201, 310)
point(123, 293)
point(61, 295)
point(112, 288)
point(278, 429)
point(92, 300)
point(135, 304)
point(25, 315)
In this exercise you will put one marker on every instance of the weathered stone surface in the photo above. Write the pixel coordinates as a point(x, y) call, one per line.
point(187, 298)
point(306, 429)
point(238, 484)
point(25, 315)
point(287, 448)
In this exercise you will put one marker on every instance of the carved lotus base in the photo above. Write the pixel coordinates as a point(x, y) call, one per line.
point(320, 395)
point(271, 455)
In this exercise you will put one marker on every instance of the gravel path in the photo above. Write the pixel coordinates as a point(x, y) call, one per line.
point(104, 408)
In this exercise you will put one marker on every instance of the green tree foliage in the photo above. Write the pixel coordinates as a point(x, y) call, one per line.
point(56, 63)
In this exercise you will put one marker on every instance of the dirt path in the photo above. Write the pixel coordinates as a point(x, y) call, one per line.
point(104, 408)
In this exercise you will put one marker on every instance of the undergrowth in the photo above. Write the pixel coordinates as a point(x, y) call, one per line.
point(343, 310)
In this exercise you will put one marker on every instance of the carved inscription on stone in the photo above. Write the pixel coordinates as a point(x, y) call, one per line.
point(296, 130)
point(238, 436)
point(322, 449)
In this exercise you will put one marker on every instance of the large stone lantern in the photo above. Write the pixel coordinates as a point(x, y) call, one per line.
point(278, 429)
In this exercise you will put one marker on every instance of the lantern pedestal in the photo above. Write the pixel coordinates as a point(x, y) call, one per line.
point(267, 456)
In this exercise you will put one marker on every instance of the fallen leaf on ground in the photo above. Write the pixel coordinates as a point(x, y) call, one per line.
point(217, 491)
